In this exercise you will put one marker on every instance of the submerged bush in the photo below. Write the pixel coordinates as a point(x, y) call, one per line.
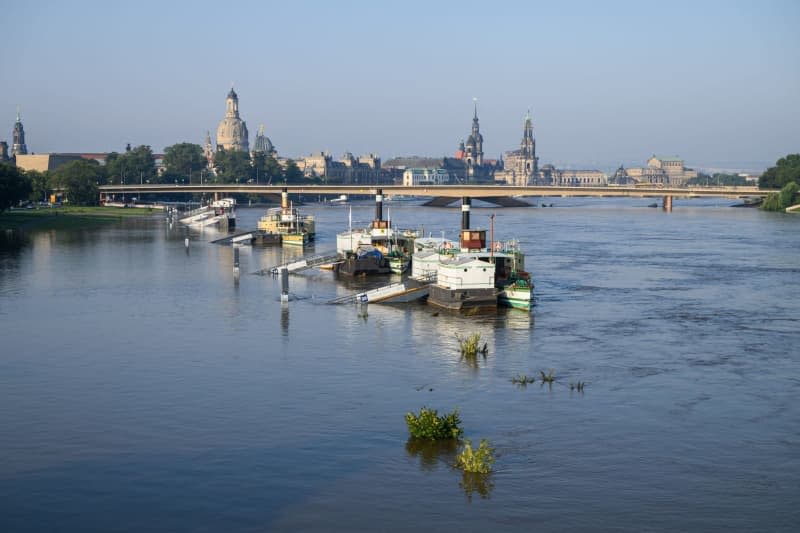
point(547, 378)
point(478, 461)
point(429, 425)
point(471, 346)
point(523, 380)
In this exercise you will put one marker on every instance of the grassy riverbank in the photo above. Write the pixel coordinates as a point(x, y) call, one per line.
point(66, 217)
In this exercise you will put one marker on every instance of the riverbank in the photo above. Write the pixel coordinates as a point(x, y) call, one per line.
point(66, 217)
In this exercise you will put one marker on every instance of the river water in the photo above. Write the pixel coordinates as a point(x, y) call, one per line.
point(142, 389)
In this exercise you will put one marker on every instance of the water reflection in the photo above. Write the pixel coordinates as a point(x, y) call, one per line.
point(285, 319)
point(472, 482)
point(432, 452)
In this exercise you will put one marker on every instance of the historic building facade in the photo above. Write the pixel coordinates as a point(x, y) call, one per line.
point(232, 130)
point(663, 171)
point(347, 169)
point(521, 167)
point(425, 176)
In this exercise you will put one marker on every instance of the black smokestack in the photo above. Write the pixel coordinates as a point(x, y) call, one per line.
point(465, 206)
point(379, 205)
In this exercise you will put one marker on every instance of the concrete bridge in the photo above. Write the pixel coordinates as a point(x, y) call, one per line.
point(445, 191)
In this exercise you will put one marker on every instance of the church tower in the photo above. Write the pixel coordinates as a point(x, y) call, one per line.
point(528, 148)
point(19, 138)
point(473, 153)
point(232, 130)
point(208, 152)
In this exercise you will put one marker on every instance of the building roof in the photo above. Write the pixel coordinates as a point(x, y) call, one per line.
point(667, 158)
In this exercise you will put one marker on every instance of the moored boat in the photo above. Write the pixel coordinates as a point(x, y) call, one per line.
point(294, 229)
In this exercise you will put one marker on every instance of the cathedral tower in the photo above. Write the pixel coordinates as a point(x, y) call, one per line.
point(473, 153)
point(19, 139)
point(232, 130)
point(528, 148)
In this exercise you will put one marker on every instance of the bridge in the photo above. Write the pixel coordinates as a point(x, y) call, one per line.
point(450, 191)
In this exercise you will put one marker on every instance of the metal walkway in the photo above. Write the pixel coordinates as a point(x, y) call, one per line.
point(236, 239)
point(303, 263)
point(399, 292)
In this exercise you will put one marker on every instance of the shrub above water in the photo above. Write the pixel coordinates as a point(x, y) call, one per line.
point(478, 461)
point(428, 424)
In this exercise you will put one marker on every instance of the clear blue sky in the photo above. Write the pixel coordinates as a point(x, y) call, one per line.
point(716, 82)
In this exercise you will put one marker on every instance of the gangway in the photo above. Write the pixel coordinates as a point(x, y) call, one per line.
point(407, 290)
point(246, 236)
point(303, 263)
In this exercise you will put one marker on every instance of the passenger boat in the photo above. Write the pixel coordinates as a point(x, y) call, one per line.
point(378, 249)
point(474, 274)
point(220, 213)
point(294, 229)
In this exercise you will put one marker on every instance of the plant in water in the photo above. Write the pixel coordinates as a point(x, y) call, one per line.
point(578, 386)
point(470, 346)
point(478, 461)
point(428, 424)
point(547, 378)
point(522, 380)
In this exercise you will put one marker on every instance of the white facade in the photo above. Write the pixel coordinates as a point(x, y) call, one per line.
point(425, 176)
point(465, 273)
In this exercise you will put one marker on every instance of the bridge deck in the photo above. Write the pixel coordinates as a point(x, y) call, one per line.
point(453, 191)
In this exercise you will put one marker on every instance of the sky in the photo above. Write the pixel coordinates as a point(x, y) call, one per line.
point(714, 82)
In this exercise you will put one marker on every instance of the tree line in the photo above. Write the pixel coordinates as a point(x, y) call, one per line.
point(184, 163)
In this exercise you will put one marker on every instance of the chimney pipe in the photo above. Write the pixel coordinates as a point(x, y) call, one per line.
point(284, 199)
point(379, 204)
point(465, 206)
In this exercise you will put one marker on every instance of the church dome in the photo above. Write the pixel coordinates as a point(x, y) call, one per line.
point(232, 131)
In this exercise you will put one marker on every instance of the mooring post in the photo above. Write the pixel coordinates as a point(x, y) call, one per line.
point(235, 262)
point(284, 285)
point(666, 204)
point(186, 243)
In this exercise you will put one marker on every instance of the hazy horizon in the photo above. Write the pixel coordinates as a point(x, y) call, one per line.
point(717, 83)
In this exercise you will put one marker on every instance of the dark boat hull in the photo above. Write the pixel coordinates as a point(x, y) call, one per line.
point(461, 299)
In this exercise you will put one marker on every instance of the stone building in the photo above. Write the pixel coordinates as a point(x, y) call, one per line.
point(347, 169)
point(574, 178)
point(44, 162)
point(662, 170)
point(232, 130)
point(3, 151)
point(521, 167)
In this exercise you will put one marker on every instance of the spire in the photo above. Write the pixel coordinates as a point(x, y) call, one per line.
point(261, 129)
point(18, 113)
point(475, 103)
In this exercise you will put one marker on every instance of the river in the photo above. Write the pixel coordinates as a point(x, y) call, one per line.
point(143, 389)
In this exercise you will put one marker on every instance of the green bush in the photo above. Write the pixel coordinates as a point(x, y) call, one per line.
point(789, 195)
point(478, 461)
point(429, 425)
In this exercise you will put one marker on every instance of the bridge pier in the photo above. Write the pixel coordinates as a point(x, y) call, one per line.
point(666, 204)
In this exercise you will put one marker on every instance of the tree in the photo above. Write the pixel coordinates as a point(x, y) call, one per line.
point(266, 168)
point(232, 166)
point(786, 170)
point(79, 180)
point(292, 173)
point(134, 166)
point(185, 159)
point(14, 186)
point(40, 185)
point(787, 197)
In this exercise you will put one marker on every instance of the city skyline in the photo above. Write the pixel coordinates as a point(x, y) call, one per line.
point(716, 84)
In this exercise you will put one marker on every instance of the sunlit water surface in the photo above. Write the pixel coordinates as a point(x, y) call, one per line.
point(141, 388)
